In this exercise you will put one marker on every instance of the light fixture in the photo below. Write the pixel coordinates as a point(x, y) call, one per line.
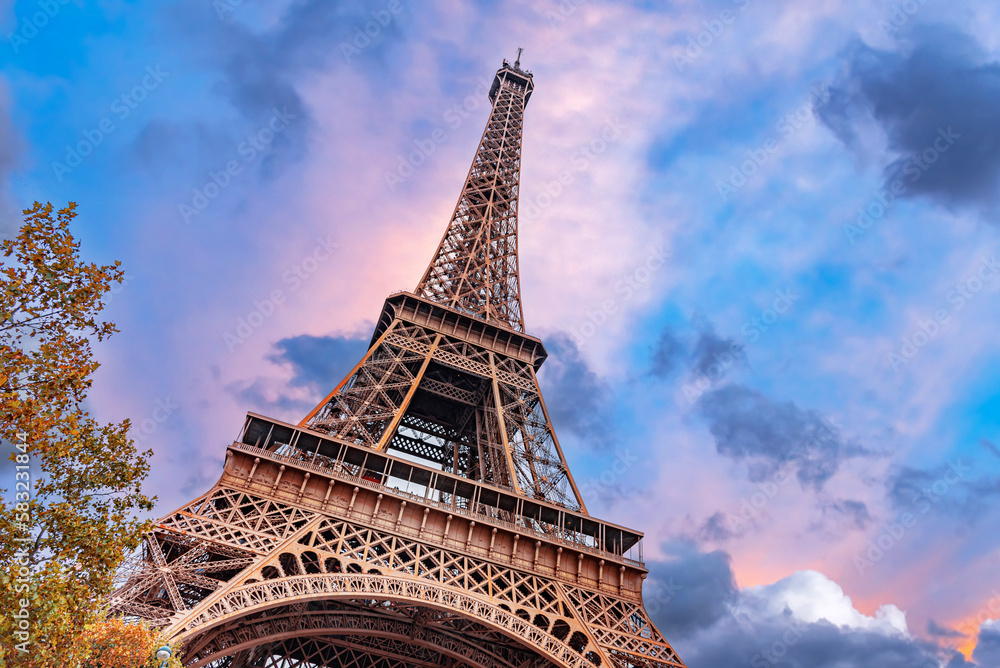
point(163, 654)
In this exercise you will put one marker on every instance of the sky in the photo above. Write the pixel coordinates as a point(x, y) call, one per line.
point(770, 292)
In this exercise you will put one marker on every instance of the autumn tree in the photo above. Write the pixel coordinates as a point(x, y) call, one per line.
point(72, 491)
point(115, 644)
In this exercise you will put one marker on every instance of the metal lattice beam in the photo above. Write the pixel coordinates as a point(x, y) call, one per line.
point(475, 266)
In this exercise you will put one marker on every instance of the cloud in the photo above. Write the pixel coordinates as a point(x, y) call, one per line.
point(768, 641)
point(259, 70)
point(802, 621)
point(855, 511)
point(936, 82)
point(268, 396)
point(714, 529)
point(958, 661)
point(987, 652)
point(709, 350)
point(712, 350)
point(838, 515)
point(953, 488)
point(768, 435)
point(316, 363)
point(689, 590)
point(319, 362)
point(577, 399)
point(812, 597)
point(260, 67)
point(667, 354)
point(938, 631)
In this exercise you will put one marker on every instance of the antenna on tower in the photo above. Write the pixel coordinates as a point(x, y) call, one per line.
point(517, 63)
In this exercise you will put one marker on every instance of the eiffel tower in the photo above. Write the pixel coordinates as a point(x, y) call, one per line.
point(422, 514)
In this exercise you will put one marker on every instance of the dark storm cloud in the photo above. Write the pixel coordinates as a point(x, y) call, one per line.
point(259, 71)
point(958, 489)
point(667, 354)
point(987, 652)
point(709, 350)
point(909, 486)
point(713, 350)
point(715, 528)
point(691, 590)
point(767, 435)
point(261, 68)
point(694, 601)
point(763, 641)
point(958, 661)
point(856, 512)
point(938, 631)
point(576, 398)
point(937, 85)
point(319, 362)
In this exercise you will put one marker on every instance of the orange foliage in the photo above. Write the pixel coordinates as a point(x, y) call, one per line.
point(115, 644)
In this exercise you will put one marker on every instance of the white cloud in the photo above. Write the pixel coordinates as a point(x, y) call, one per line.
point(810, 597)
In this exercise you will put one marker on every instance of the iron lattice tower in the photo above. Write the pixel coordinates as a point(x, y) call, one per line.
point(422, 514)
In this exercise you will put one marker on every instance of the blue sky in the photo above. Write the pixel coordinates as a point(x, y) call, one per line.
point(783, 382)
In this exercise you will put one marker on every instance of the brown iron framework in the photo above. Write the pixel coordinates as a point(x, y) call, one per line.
point(423, 513)
point(475, 267)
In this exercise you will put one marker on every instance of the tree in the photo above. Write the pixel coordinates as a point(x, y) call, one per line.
point(115, 644)
point(76, 483)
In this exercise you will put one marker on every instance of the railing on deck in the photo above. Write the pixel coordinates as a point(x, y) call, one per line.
point(340, 471)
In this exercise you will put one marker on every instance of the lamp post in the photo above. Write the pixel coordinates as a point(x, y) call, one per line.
point(163, 654)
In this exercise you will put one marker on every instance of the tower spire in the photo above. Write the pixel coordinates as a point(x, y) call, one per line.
point(475, 269)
